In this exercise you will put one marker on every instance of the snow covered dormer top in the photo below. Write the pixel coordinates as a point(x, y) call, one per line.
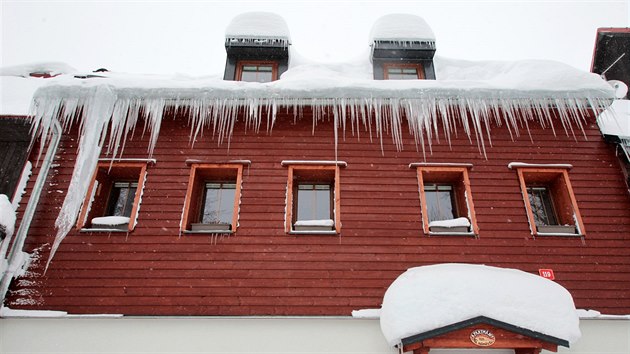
point(257, 46)
point(403, 47)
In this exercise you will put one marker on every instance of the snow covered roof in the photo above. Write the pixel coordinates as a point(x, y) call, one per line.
point(430, 297)
point(455, 79)
point(258, 25)
point(401, 28)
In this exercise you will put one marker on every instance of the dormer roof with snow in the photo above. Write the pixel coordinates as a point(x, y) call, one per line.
point(256, 37)
point(431, 300)
point(402, 39)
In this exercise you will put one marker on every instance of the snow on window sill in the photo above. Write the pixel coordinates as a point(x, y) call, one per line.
point(513, 165)
point(228, 232)
point(312, 232)
point(545, 234)
point(446, 233)
point(102, 230)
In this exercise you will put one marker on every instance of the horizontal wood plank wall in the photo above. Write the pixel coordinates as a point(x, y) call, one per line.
point(261, 270)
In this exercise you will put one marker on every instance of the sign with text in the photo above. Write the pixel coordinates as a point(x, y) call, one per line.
point(546, 273)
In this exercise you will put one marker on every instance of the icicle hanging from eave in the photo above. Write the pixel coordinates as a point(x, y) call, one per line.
point(99, 107)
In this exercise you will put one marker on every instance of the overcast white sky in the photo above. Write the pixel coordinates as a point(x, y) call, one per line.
point(186, 37)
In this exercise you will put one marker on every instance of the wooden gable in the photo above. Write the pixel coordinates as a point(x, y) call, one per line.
point(482, 333)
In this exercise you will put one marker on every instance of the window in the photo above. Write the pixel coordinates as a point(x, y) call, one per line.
point(445, 199)
point(403, 71)
point(256, 71)
point(549, 200)
point(121, 198)
point(313, 197)
point(113, 199)
point(212, 198)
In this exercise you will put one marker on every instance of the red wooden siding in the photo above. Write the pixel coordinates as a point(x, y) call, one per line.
point(261, 270)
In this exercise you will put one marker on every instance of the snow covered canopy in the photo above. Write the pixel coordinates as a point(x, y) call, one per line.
point(430, 297)
point(401, 28)
point(259, 28)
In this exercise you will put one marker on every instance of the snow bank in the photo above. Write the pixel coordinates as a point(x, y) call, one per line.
point(367, 313)
point(111, 220)
point(450, 223)
point(7, 216)
point(8, 312)
point(258, 25)
point(401, 27)
point(430, 297)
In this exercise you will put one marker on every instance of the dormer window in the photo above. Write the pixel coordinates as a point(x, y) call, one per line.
point(257, 47)
point(403, 72)
point(257, 71)
point(403, 47)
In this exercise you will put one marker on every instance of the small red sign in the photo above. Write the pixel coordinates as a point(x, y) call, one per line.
point(546, 273)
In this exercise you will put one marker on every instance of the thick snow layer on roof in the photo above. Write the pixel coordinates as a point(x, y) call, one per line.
point(431, 297)
point(258, 25)
point(455, 79)
point(401, 27)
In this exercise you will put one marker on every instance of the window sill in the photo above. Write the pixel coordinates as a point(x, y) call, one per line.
point(313, 232)
point(103, 230)
point(560, 234)
point(458, 234)
point(214, 232)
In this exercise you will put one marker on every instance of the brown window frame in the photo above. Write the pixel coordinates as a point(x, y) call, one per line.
point(97, 199)
point(313, 174)
point(457, 177)
point(200, 174)
point(562, 197)
point(419, 69)
point(241, 63)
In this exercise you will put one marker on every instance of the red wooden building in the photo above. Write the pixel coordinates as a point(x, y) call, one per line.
point(304, 195)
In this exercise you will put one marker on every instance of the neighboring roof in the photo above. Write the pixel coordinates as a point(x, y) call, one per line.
point(611, 57)
point(427, 298)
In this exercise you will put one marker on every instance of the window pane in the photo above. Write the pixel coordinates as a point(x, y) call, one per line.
point(440, 205)
point(313, 202)
point(542, 206)
point(121, 199)
point(257, 73)
point(218, 203)
point(402, 73)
